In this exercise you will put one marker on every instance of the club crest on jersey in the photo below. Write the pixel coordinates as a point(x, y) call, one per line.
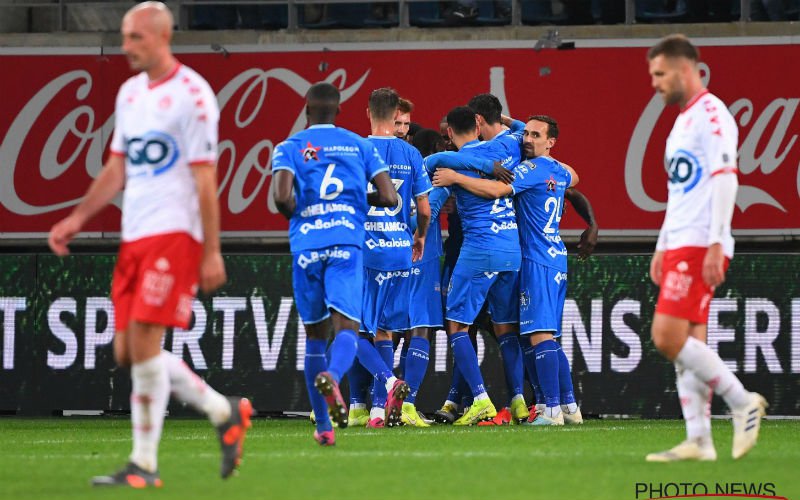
point(310, 152)
point(551, 184)
point(151, 154)
point(524, 300)
point(684, 171)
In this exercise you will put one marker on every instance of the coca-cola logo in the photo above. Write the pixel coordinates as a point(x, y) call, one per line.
point(770, 158)
point(250, 85)
point(57, 126)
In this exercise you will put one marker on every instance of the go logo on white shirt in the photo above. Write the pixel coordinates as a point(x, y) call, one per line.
point(684, 171)
point(152, 154)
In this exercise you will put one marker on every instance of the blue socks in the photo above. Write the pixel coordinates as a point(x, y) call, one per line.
point(385, 349)
point(547, 367)
point(314, 364)
point(372, 361)
point(457, 384)
point(401, 370)
point(360, 380)
point(565, 379)
point(512, 361)
point(342, 353)
point(467, 360)
point(416, 365)
point(529, 356)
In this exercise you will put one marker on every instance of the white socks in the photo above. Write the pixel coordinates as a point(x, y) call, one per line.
point(377, 412)
point(390, 383)
point(695, 399)
point(698, 358)
point(190, 389)
point(552, 411)
point(570, 408)
point(148, 404)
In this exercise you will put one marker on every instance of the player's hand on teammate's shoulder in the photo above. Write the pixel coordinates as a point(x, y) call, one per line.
point(502, 174)
point(212, 272)
point(587, 243)
point(444, 177)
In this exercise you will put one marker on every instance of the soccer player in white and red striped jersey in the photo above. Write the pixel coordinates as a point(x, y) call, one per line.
point(163, 153)
point(693, 251)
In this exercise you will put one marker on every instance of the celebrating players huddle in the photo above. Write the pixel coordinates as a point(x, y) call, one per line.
point(367, 268)
point(358, 260)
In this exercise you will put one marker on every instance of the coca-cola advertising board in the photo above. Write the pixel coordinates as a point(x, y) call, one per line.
point(57, 119)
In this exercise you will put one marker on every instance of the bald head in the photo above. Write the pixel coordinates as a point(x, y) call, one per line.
point(154, 16)
point(146, 35)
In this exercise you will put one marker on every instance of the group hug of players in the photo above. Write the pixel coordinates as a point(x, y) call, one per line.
point(366, 247)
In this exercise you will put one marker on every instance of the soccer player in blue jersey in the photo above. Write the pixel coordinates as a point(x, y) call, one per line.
point(539, 137)
point(488, 111)
point(491, 123)
point(489, 259)
point(389, 249)
point(425, 303)
point(538, 187)
point(320, 178)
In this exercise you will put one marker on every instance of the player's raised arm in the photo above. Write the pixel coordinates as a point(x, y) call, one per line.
point(100, 193)
point(454, 161)
point(484, 188)
point(515, 126)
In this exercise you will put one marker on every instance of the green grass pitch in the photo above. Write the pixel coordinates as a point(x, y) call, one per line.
point(602, 459)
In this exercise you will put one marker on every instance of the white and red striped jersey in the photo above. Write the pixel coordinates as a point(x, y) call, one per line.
point(162, 128)
point(703, 143)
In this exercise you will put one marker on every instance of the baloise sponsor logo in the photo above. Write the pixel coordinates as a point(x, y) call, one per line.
point(381, 243)
point(151, 154)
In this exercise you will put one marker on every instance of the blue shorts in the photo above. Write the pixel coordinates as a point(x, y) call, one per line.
point(543, 291)
point(469, 289)
point(426, 295)
point(328, 278)
point(385, 303)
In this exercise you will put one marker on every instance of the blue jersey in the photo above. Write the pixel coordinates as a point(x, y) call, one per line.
point(331, 168)
point(388, 240)
point(491, 240)
point(511, 140)
point(539, 186)
point(510, 155)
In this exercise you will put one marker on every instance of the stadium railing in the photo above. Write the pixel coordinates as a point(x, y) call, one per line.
point(522, 11)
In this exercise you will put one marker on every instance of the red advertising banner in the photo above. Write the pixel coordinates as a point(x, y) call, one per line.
point(57, 119)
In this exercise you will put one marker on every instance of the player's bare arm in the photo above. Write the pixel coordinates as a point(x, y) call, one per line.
point(484, 188)
point(582, 206)
point(283, 192)
point(502, 174)
point(423, 221)
point(385, 195)
point(212, 267)
point(102, 190)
